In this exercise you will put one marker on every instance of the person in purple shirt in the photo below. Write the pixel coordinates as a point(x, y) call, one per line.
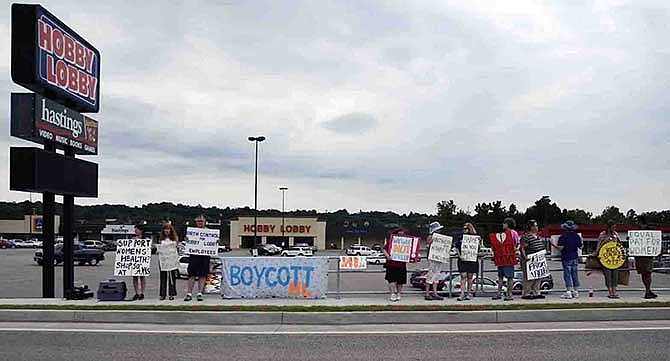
point(569, 244)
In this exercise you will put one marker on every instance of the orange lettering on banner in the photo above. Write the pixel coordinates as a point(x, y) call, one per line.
point(299, 289)
point(346, 262)
point(356, 262)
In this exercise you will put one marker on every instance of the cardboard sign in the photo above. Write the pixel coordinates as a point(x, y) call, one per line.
point(470, 248)
point(353, 262)
point(202, 241)
point(168, 258)
point(612, 255)
point(404, 248)
point(440, 247)
point(536, 266)
point(644, 243)
point(133, 257)
point(274, 277)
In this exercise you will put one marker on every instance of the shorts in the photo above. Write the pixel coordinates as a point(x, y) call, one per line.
point(506, 271)
point(434, 272)
point(644, 264)
point(396, 275)
point(468, 267)
point(198, 266)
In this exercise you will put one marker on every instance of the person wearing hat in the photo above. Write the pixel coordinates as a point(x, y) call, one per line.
point(569, 244)
point(435, 268)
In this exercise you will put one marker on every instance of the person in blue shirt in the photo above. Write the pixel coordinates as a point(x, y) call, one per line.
point(569, 244)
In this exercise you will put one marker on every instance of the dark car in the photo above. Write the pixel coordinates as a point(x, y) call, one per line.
point(224, 248)
point(266, 250)
point(109, 246)
point(418, 279)
point(7, 243)
point(377, 247)
point(82, 255)
point(546, 283)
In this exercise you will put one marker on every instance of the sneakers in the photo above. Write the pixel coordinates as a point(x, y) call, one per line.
point(539, 297)
point(141, 296)
point(200, 298)
point(508, 298)
point(649, 295)
point(394, 297)
point(575, 294)
point(188, 297)
point(136, 297)
point(567, 295)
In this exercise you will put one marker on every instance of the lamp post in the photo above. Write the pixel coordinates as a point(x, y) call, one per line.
point(283, 193)
point(256, 140)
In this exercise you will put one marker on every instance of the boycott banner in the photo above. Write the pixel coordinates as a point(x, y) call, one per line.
point(536, 266)
point(440, 247)
point(353, 262)
point(133, 257)
point(202, 241)
point(274, 277)
point(404, 248)
point(470, 248)
point(168, 258)
point(644, 243)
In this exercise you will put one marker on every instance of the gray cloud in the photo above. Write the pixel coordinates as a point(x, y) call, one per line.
point(352, 123)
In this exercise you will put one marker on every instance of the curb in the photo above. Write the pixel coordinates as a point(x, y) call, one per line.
point(335, 318)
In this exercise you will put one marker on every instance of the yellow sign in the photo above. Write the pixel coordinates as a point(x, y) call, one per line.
point(612, 255)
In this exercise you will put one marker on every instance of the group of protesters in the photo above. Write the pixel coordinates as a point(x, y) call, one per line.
point(509, 250)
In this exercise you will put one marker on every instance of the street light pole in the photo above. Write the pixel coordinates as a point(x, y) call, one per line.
point(256, 140)
point(283, 192)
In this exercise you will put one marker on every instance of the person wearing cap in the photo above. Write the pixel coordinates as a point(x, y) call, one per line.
point(645, 265)
point(569, 244)
point(435, 268)
point(396, 272)
point(530, 243)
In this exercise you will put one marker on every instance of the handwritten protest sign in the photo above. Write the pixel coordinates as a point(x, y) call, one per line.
point(440, 247)
point(401, 248)
point(168, 259)
point(612, 255)
point(470, 248)
point(202, 241)
point(133, 257)
point(353, 262)
point(536, 267)
point(644, 243)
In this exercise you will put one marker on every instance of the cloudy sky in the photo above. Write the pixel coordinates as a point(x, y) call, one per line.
point(389, 105)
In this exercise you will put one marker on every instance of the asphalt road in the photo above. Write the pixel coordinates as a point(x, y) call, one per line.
point(21, 277)
point(608, 341)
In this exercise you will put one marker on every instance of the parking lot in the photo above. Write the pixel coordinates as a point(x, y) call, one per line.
point(21, 277)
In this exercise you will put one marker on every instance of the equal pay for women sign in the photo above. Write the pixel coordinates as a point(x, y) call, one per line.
point(440, 247)
point(644, 243)
point(133, 257)
point(536, 266)
point(470, 248)
point(202, 241)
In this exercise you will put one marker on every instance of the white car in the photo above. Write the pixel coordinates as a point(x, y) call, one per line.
point(297, 251)
point(377, 258)
point(359, 250)
point(183, 266)
point(94, 244)
point(25, 244)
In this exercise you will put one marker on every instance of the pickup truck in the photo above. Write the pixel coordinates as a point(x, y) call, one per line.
point(82, 255)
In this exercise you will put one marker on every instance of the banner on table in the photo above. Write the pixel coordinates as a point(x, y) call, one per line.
point(440, 247)
point(133, 257)
point(353, 262)
point(644, 243)
point(536, 266)
point(168, 258)
point(404, 248)
point(274, 277)
point(470, 248)
point(202, 241)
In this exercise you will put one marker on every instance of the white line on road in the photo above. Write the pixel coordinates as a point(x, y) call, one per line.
point(317, 332)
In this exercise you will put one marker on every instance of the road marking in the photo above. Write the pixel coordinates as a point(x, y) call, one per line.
point(317, 332)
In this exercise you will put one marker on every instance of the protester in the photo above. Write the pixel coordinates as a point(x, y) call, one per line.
point(198, 267)
point(645, 265)
point(434, 268)
point(396, 272)
point(569, 244)
point(504, 253)
point(139, 282)
point(611, 275)
point(530, 243)
point(467, 269)
point(168, 278)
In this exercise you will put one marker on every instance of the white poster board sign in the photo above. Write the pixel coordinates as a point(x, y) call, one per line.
point(353, 262)
point(644, 243)
point(440, 247)
point(202, 241)
point(536, 266)
point(401, 248)
point(168, 258)
point(133, 257)
point(470, 247)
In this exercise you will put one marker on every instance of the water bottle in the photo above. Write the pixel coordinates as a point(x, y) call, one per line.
point(591, 292)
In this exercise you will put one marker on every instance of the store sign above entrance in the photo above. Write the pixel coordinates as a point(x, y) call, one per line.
point(278, 229)
point(51, 59)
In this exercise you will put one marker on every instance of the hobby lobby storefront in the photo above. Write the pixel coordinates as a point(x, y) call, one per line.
point(270, 230)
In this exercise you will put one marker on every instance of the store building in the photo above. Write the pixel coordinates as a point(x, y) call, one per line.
point(28, 227)
point(277, 230)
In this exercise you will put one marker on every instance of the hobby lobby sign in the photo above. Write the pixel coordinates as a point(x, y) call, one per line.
point(271, 228)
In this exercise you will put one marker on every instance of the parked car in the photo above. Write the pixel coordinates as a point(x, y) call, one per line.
point(109, 246)
point(7, 243)
point(19, 243)
point(224, 248)
point(485, 252)
point(91, 243)
point(305, 245)
point(377, 258)
point(418, 279)
point(183, 266)
point(489, 285)
point(82, 255)
point(266, 250)
point(546, 283)
point(297, 251)
point(359, 250)
point(377, 247)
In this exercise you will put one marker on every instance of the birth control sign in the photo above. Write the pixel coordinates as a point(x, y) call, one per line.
point(644, 243)
point(51, 59)
point(133, 257)
point(202, 241)
point(440, 248)
point(404, 248)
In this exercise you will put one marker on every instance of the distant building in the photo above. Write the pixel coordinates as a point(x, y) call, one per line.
point(309, 230)
point(24, 228)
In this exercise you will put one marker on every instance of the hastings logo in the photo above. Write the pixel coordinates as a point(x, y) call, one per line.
point(62, 119)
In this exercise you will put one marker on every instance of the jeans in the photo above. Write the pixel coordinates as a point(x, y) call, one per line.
point(570, 273)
